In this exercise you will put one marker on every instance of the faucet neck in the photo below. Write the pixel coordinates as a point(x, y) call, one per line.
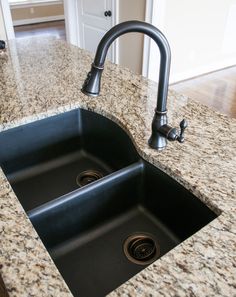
point(162, 43)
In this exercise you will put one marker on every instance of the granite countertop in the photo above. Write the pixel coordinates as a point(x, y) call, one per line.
point(43, 77)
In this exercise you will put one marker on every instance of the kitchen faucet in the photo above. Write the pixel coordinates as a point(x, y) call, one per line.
point(161, 131)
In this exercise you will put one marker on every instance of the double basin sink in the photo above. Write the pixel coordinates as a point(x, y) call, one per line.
point(102, 212)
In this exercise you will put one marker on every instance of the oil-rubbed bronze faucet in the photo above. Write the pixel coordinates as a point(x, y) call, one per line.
point(91, 87)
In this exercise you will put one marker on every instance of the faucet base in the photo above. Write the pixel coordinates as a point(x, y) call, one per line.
point(88, 93)
point(157, 140)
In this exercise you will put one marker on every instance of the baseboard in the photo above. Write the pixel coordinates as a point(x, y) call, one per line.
point(29, 4)
point(38, 20)
point(178, 77)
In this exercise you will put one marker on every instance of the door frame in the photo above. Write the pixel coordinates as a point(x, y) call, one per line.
point(115, 21)
point(72, 25)
point(6, 12)
point(155, 15)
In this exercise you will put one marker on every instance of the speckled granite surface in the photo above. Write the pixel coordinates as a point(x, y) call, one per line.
point(43, 78)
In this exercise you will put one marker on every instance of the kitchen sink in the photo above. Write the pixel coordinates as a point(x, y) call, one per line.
point(102, 212)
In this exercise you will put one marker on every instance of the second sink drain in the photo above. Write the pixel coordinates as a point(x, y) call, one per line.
point(141, 248)
point(88, 176)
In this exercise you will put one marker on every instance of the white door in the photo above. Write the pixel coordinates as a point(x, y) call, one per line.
point(95, 18)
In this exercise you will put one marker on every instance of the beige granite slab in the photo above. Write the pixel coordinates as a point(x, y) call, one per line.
point(43, 77)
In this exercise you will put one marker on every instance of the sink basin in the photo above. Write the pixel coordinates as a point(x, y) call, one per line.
point(102, 233)
point(44, 159)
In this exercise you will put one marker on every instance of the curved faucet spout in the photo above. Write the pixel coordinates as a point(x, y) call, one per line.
point(91, 87)
point(92, 84)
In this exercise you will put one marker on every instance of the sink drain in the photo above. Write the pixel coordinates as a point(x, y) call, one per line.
point(87, 177)
point(141, 248)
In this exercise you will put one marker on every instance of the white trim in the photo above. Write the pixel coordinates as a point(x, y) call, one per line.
point(17, 5)
point(155, 15)
point(3, 35)
point(38, 20)
point(146, 42)
point(71, 21)
point(7, 19)
point(115, 21)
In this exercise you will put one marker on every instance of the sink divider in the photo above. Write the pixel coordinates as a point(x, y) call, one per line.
point(117, 176)
point(61, 218)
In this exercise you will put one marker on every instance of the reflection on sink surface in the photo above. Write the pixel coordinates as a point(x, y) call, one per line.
point(101, 234)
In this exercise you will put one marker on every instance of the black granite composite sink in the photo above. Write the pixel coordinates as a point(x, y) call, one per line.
point(103, 226)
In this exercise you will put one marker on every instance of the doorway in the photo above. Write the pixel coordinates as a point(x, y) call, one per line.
point(80, 22)
point(88, 20)
point(38, 18)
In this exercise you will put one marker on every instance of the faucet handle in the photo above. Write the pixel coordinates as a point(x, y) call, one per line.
point(183, 125)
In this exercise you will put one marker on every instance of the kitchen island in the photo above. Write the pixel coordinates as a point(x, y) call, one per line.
point(43, 77)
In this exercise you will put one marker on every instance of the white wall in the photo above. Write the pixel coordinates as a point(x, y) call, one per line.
point(202, 35)
point(2, 27)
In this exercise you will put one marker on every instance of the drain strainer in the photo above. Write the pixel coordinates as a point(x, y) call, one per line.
point(87, 177)
point(141, 248)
